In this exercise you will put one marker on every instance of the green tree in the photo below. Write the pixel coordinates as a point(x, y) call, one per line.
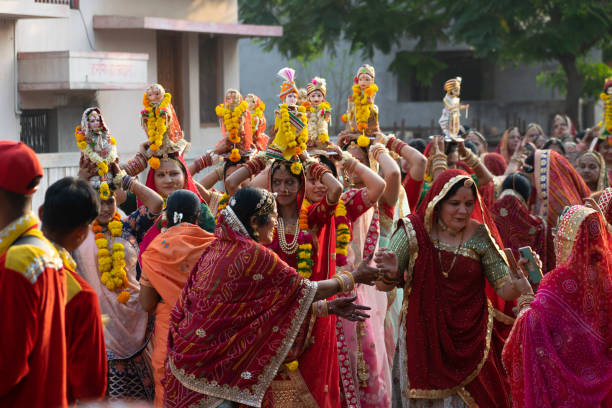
point(506, 31)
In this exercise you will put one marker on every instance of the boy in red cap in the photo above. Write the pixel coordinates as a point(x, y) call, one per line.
point(32, 291)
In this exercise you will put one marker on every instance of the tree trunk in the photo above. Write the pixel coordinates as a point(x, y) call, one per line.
point(574, 87)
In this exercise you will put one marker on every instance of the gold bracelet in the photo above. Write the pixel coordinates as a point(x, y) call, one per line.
point(340, 282)
point(351, 284)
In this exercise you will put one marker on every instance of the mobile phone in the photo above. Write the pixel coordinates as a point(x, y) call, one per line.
point(511, 259)
point(535, 274)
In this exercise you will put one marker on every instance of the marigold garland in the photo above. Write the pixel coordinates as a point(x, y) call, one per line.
point(156, 120)
point(111, 263)
point(222, 204)
point(320, 111)
point(362, 105)
point(291, 143)
point(304, 253)
point(231, 121)
point(343, 233)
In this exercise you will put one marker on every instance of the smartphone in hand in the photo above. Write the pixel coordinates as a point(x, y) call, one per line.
point(535, 274)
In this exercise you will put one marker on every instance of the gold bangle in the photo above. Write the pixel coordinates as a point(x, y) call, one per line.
point(340, 282)
point(351, 284)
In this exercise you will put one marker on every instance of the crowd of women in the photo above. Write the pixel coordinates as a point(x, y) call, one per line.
point(364, 273)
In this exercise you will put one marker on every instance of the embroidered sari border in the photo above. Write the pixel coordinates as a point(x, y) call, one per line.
point(253, 396)
point(443, 393)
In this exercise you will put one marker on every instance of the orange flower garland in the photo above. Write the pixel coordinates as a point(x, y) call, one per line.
point(362, 110)
point(111, 263)
point(231, 121)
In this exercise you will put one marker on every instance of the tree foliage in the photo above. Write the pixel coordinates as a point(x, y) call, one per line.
point(506, 31)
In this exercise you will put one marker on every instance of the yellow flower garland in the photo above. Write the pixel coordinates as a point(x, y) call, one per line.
point(156, 123)
point(326, 107)
point(304, 254)
point(257, 114)
point(343, 234)
point(287, 138)
point(231, 121)
point(112, 263)
point(362, 110)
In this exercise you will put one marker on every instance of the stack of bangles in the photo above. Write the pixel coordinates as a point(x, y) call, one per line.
point(438, 162)
point(470, 159)
point(127, 183)
point(395, 145)
point(319, 308)
point(524, 300)
point(256, 164)
point(206, 160)
point(348, 162)
point(346, 281)
point(317, 170)
point(377, 150)
point(137, 165)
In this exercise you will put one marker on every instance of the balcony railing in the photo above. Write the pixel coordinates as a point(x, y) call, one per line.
point(71, 3)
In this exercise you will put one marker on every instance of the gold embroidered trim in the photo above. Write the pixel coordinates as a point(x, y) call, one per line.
point(413, 244)
point(568, 229)
point(252, 396)
point(501, 282)
point(467, 398)
point(432, 204)
point(443, 393)
point(466, 252)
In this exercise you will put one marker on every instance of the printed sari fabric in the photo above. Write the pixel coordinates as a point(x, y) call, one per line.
point(605, 204)
point(518, 228)
point(557, 185)
point(558, 353)
point(447, 346)
point(166, 265)
point(236, 322)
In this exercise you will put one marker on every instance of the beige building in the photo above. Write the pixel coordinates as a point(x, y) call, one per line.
point(62, 56)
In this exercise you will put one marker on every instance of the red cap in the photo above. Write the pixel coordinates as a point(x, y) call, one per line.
point(18, 167)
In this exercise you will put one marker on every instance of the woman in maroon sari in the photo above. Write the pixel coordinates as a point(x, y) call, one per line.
point(558, 353)
point(517, 227)
point(441, 257)
point(244, 312)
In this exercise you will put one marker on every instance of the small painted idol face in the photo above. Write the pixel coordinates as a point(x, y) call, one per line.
point(266, 231)
point(231, 98)
point(316, 98)
point(251, 101)
point(155, 95)
point(107, 210)
point(364, 81)
point(94, 122)
point(169, 177)
point(514, 138)
point(291, 99)
point(588, 168)
point(456, 211)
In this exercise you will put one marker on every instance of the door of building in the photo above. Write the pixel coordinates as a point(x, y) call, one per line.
point(169, 67)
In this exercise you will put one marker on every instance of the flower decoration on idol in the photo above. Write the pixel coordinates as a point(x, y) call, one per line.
point(111, 257)
point(235, 119)
point(318, 111)
point(100, 147)
point(290, 123)
point(364, 91)
point(606, 123)
point(258, 121)
point(161, 125)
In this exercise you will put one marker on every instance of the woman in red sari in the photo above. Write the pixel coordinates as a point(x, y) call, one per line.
point(557, 185)
point(244, 312)
point(517, 226)
point(558, 353)
point(447, 355)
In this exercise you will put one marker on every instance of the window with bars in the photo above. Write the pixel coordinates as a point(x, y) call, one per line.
point(35, 130)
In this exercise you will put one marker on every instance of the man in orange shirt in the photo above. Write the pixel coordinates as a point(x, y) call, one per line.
point(32, 291)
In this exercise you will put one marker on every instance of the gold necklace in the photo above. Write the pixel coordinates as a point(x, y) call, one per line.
point(293, 246)
point(445, 273)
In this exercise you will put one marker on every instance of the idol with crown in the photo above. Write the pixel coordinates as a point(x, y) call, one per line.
point(318, 111)
point(450, 121)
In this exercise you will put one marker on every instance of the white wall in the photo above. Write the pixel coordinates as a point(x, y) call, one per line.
point(8, 118)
